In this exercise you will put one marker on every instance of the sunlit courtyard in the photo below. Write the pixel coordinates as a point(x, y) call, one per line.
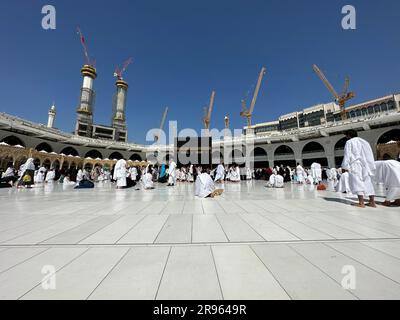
point(250, 243)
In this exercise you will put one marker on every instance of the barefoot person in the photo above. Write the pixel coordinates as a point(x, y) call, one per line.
point(388, 173)
point(360, 164)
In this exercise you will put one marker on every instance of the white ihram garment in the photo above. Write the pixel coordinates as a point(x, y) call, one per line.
point(359, 161)
point(120, 173)
point(316, 172)
point(220, 173)
point(300, 174)
point(41, 175)
point(50, 176)
point(147, 181)
point(344, 185)
point(388, 173)
point(172, 173)
point(235, 175)
point(204, 185)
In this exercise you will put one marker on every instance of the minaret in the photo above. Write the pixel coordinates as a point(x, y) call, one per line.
point(52, 116)
point(226, 121)
point(119, 109)
point(86, 102)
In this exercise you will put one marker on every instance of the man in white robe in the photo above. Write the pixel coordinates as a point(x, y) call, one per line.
point(147, 180)
point(120, 173)
point(316, 172)
point(279, 181)
point(235, 174)
point(171, 173)
point(388, 174)
point(275, 180)
point(249, 174)
point(205, 187)
point(190, 174)
point(360, 163)
point(40, 177)
point(300, 173)
point(220, 173)
point(133, 172)
point(50, 176)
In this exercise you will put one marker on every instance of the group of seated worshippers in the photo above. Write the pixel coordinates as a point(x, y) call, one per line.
point(275, 180)
point(23, 178)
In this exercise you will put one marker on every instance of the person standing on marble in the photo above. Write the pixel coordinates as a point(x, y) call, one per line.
point(171, 173)
point(220, 173)
point(190, 174)
point(300, 173)
point(120, 173)
point(360, 163)
point(316, 172)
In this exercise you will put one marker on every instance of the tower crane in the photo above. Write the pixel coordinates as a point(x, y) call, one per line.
point(119, 72)
point(207, 116)
point(248, 112)
point(340, 99)
point(85, 50)
point(164, 117)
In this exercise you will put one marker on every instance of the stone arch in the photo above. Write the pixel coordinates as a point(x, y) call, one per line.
point(13, 141)
point(5, 160)
point(94, 154)
point(116, 155)
point(46, 163)
point(56, 164)
point(283, 150)
point(70, 151)
point(135, 157)
point(234, 155)
point(313, 147)
point(259, 156)
point(391, 135)
point(44, 146)
point(340, 144)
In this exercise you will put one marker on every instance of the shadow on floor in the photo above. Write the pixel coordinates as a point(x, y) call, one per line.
point(343, 201)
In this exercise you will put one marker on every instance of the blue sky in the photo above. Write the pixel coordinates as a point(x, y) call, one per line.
point(183, 50)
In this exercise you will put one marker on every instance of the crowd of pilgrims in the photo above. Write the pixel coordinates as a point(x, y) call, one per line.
point(208, 182)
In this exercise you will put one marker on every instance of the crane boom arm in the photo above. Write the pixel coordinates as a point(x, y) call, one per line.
point(164, 118)
point(325, 81)
point(85, 51)
point(253, 102)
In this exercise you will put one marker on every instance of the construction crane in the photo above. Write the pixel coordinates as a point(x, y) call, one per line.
point(207, 113)
point(164, 117)
point(119, 72)
point(85, 51)
point(248, 112)
point(340, 99)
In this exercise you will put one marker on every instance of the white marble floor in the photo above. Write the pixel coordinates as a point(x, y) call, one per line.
point(250, 243)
